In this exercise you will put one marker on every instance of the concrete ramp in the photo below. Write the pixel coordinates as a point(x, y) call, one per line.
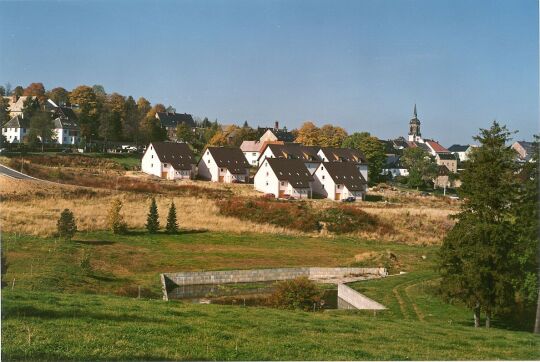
point(356, 300)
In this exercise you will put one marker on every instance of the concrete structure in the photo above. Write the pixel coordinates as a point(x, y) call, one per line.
point(355, 300)
point(169, 160)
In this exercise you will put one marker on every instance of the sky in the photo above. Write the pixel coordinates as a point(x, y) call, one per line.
point(358, 64)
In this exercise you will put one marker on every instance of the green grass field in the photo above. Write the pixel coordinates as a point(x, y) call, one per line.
point(61, 308)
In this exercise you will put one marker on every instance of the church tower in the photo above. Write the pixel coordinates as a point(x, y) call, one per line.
point(414, 128)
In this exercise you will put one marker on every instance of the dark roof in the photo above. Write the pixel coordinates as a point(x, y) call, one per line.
point(294, 151)
point(65, 112)
point(393, 161)
point(17, 122)
point(291, 170)
point(446, 156)
point(443, 170)
point(346, 173)
point(458, 148)
point(231, 158)
point(281, 134)
point(179, 155)
point(169, 120)
point(343, 155)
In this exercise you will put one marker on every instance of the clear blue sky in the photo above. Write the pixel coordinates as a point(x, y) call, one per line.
point(360, 64)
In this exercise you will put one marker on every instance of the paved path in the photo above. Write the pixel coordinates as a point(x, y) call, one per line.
point(6, 171)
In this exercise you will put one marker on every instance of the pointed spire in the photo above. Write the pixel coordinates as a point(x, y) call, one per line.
point(415, 115)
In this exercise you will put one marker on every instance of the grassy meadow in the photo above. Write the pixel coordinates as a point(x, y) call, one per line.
point(78, 299)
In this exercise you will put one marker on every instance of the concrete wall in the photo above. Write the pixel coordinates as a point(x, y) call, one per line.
point(357, 300)
point(171, 280)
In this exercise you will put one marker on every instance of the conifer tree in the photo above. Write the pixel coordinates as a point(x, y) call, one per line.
point(66, 225)
point(476, 261)
point(172, 224)
point(152, 220)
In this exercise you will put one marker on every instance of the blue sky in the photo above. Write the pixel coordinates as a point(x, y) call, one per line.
point(359, 64)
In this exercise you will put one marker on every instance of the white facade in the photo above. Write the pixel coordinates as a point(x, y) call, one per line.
point(209, 170)
point(252, 157)
point(394, 172)
point(324, 185)
point(362, 167)
point(152, 165)
point(266, 181)
point(267, 153)
point(14, 134)
point(66, 136)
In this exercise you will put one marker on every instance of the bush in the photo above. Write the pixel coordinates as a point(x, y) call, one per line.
point(299, 293)
point(66, 225)
point(296, 215)
point(115, 220)
point(346, 219)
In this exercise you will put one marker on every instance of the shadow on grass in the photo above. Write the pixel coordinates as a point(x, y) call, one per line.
point(165, 233)
point(94, 242)
point(15, 312)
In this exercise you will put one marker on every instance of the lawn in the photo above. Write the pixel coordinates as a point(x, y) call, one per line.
point(76, 300)
point(119, 264)
point(44, 325)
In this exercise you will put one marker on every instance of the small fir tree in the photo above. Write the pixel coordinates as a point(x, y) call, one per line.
point(115, 220)
point(152, 220)
point(172, 224)
point(66, 225)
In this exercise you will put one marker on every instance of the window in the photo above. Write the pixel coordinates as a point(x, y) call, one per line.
point(267, 174)
point(24, 130)
point(208, 161)
point(323, 177)
point(164, 165)
point(151, 165)
point(266, 183)
point(282, 183)
point(254, 154)
point(152, 156)
point(221, 169)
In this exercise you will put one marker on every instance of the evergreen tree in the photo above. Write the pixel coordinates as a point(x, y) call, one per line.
point(115, 220)
point(172, 224)
point(66, 226)
point(152, 220)
point(476, 261)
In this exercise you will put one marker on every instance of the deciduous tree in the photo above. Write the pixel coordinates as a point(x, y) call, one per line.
point(42, 126)
point(115, 220)
point(331, 136)
point(88, 110)
point(59, 96)
point(308, 134)
point(422, 168)
point(373, 151)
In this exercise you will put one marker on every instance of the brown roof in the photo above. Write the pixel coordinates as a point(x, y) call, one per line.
point(179, 155)
point(343, 155)
point(294, 151)
point(346, 173)
point(291, 170)
point(230, 158)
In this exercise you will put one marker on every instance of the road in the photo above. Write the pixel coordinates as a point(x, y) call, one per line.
point(6, 171)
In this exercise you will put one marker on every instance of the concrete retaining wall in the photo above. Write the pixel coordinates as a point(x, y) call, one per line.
point(171, 280)
point(357, 300)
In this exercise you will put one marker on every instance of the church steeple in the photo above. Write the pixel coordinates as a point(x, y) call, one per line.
point(414, 127)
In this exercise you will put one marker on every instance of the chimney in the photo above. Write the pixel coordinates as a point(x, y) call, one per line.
point(276, 126)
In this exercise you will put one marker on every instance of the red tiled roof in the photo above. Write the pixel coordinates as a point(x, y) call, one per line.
point(437, 147)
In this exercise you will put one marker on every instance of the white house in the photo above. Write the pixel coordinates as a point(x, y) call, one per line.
point(393, 166)
point(252, 151)
point(169, 160)
point(334, 154)
point(339, 180)
point(16, 104)
point(307, 154)
point(223, 164)
point(66, 128)
point(15, 129)
point(284, 178)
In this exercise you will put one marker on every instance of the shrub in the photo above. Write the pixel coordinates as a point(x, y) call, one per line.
point(85, 263)
point(172, 224)
point(295, 215)
point(347, 219)
point(115, 220)
point(66, 225)
point(299, 293)
point(152, 220)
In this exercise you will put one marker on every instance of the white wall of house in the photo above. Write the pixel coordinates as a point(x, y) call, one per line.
point(266, 181)
point(252, 157)
point(173, 174)
point(14, 135)
point(150, 162)
point(324, 185)
point(267, 153)
point(268, 136)
point(207, 168)
point(67, 136)
point(395, 172)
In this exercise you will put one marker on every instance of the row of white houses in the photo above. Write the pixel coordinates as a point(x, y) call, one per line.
point(285, 170)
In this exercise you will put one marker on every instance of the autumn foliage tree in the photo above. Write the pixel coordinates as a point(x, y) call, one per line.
point(373, 151)
point(308, 134)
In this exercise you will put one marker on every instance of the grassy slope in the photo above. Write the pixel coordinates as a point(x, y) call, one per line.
point(70, 326)
point(122, 263)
